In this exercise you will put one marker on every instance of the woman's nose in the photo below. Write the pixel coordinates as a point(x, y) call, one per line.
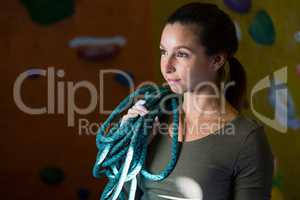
point(170, 66)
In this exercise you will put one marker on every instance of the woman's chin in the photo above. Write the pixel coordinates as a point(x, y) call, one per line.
point(176, 88)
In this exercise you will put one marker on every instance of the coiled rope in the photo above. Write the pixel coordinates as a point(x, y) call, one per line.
point(122, 150)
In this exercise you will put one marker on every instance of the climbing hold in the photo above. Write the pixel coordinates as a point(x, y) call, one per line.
point(298, 69)
point(297, 36)
point(83, 193)
point(240, 6)
point(34, 73)
point(283, 105)
point(277, 187)
point(47, 12)
point(97, 48)
point(52, 175)
point(262, 29)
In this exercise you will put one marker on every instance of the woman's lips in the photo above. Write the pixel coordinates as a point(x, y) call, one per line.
point(173, 80)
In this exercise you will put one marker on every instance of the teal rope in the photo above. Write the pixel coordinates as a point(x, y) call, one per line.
point(123, 150)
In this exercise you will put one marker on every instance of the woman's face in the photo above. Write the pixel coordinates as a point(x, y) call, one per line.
point(183, 61)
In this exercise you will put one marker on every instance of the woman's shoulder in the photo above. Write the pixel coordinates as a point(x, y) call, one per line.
point(252, 135)
point(255, 152)
point(242, 131)
point(246, 125)
point(251, 143)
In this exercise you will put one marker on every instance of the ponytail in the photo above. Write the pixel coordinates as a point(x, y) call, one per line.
point(236, 94)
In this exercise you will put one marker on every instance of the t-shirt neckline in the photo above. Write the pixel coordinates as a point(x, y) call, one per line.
point(211, 135)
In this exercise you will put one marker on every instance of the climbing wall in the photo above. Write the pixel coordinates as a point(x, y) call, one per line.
point(42, 156)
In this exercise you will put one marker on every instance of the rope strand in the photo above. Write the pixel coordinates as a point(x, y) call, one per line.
point(123, 150)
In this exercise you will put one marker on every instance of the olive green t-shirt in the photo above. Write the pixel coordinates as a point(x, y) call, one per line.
point(235, 162)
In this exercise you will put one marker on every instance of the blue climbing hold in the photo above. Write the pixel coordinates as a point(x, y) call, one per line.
point(52, 175)
point(286, 110)
point(262, 29)
point(48, 12)
point(34, 73)
point(240, 6)
point(83, 193)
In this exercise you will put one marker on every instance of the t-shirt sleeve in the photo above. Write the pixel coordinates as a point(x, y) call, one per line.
point(254, 167)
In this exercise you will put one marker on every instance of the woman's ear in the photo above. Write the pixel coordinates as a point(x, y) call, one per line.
point(218, 61)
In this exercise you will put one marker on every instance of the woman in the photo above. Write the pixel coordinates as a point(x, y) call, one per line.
point(224, 155)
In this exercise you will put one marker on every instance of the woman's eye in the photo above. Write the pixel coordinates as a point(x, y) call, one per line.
point(182, 54)
point(162, 52)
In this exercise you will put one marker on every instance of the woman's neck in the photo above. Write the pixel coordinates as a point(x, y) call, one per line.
point(206, 104)
point(200, 105)
point(204, 109)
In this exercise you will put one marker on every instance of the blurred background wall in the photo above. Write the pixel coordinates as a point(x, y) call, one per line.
point(44, 158)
